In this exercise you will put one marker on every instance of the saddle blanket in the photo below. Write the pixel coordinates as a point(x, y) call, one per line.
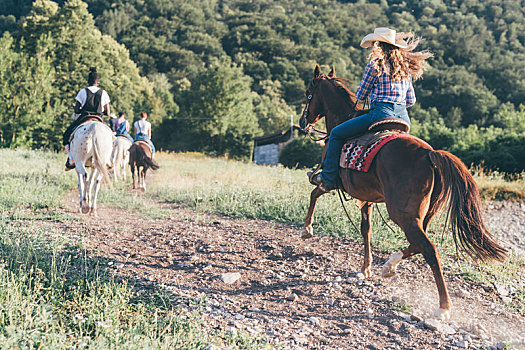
point(359, 153)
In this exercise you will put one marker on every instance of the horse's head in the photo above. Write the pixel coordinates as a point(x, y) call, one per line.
point(326, 94)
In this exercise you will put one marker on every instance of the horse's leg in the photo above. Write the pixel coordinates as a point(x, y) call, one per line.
point(139, 173)
point(116, 169)
point(366, 232)
point(308, 229)
point(132, 166)
point(82, 184)
point(419, 242)
point(98, 180)
point(91, 182)
point(144, 170)
point(389, 268)
point(124, 162)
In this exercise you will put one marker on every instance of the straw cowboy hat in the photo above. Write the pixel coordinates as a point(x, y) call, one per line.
point(385, 35)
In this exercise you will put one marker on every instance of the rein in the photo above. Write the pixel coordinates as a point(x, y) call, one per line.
point(339, 191)
point(323, 138)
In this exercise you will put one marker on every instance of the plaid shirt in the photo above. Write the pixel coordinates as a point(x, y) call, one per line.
point(383, 89)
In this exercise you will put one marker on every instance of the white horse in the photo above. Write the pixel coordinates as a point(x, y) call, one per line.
point(91, 146)
point(120, 157)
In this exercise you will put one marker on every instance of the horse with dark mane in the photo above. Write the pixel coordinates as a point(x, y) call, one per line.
point(413, 180)
point(140, 158)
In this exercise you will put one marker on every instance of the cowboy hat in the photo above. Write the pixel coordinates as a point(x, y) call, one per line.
point(385, 35)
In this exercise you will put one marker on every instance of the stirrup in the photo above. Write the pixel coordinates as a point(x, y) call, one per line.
point(318, 181)
point(314, 172)
point(311, 175)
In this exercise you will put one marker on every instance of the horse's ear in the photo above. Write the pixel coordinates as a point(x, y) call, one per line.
point(332, 72)
point(317, 71)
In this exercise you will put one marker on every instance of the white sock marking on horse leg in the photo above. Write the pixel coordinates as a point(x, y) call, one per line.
point(389, 268)
point(442, 314)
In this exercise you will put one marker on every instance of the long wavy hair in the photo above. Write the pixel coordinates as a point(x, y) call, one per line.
point(400, 63)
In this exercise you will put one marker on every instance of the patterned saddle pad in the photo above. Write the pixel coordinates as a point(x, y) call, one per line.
point(359, 153)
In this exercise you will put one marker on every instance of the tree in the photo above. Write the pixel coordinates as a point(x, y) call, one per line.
point(25, 93)
point(301, 153)
point(273, 114)
point(218, 107)
point(47, 63)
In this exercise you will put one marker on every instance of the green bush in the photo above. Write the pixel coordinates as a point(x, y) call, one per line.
point(301, 153)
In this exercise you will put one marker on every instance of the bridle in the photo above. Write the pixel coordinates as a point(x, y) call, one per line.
point(309, 128)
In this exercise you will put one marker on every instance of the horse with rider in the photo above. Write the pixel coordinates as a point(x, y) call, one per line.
point(371, 157)
point(89, 142)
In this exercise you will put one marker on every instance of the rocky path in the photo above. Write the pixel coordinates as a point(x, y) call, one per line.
point(260, 277)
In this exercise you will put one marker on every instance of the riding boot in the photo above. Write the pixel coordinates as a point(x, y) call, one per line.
point(318, 181)
point(69, 165)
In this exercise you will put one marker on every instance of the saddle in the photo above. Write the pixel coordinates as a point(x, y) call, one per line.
point(358, 153)
point(144, 142)
point(85, 119)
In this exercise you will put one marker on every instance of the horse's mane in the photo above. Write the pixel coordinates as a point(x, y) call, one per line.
point(343, 85)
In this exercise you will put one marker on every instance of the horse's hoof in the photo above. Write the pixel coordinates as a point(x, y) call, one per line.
point(367, 273)
point(388, 270)
point(442, 314)
point(307, 232)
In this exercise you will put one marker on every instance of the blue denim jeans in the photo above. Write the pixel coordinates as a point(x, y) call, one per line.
point(352, 128)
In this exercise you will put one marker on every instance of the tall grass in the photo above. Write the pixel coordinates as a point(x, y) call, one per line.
point(250, 191)
point(54, 295)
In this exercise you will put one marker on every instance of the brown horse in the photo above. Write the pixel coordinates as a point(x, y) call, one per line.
point(414, 181)
point(140, 157)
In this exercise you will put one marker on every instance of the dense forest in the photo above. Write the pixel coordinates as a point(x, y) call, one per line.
point(212, 74)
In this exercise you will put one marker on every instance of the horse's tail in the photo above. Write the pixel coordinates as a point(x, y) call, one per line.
point(461, 192)
point(149, 161)
point(99, 158)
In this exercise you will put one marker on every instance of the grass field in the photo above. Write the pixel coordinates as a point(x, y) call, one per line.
point(53, 295)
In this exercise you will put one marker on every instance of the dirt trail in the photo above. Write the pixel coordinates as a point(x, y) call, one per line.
point(300, 294)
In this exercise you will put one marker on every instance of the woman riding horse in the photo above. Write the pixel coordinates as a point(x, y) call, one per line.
point(388, 82)
point(121, 127)
point(143, 131)
point(90, 102)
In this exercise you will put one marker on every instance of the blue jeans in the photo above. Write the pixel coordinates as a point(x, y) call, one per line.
point(352, 128)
